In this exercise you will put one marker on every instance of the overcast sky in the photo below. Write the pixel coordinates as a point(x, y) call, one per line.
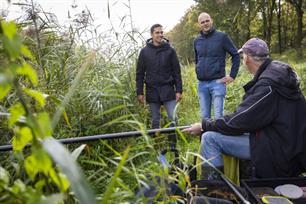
point(144, 12)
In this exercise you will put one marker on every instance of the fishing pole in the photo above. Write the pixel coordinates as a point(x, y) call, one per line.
point(229, 184)
point(91, 138)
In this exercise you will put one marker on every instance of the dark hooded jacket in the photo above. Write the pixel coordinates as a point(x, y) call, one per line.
point(159, 69)
point(273, 111)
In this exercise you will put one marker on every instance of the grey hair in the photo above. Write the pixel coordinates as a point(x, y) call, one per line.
point(259, 58)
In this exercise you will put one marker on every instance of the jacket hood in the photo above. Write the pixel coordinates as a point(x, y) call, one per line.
point(164, 44)
point(284, 79)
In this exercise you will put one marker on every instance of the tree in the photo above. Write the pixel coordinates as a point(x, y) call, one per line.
point(298, 5)
point(279, 30)
point(244, 19)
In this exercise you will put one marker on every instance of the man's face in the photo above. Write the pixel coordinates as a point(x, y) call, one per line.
point(245, 61)
point(205, 23)
point(243, 57)
point(157, 35)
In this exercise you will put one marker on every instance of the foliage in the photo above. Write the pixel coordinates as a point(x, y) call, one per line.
point(277, 22)
point(102, 102)
point(54, 80)
point(31, 124)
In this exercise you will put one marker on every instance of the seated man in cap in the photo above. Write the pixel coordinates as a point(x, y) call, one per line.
point(268, 127)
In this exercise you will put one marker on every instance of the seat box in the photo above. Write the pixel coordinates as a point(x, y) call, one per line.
point(257, 187)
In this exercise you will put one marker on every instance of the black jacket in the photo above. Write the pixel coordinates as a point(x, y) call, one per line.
point(273, 111)
point(158, 67)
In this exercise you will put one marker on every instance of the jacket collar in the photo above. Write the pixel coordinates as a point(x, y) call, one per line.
point(164, 44)
point(205, 35)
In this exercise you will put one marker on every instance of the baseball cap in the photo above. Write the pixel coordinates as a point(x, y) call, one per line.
point(255, 47)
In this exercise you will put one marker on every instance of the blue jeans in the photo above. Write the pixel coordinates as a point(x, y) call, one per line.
point(213, 144)
point(155, 111)
point(211, 92)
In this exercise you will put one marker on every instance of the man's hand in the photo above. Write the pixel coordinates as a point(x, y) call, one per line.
point(141, 99)
point(195, 129)
point(227, 80)
point(178, 97)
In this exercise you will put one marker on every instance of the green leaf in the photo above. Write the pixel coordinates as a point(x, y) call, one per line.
point(24, 193)
point(22, 138)
point(38, 96)
point(181, 135)
point(39, 185)
point(11, 41)
point(29, 164)
point(111, 110)
point(4, 90)
point(58, 102)
point(111, 186)
point(70, 168)
point(9, 29)
point(39, 161)
point(26, 52)
point(29, 72)
point(11, 70)
point(12, 47)
point(60, 180)
point(44, 125)
point(4, 178)
point(118, 120)
point(5, 85)
point(16, 111)
point(18, 187)
point(52, 199)
point(66, 118)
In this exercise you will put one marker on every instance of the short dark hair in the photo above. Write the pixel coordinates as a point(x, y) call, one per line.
point(155, 26)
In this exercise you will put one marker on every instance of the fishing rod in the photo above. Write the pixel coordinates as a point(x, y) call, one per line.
point(91, 138)
point(233, 188)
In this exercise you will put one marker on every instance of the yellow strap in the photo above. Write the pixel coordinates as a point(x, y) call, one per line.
point(231, 168)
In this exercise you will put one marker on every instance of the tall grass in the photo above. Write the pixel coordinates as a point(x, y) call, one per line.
point(105, 101)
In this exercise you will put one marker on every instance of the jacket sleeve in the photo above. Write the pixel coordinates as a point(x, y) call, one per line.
point(176, 73)
point(232, 50)
point(254, 113)
point(140, 74)
point(195, 53)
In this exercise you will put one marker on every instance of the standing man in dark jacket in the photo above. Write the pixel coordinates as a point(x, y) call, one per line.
point(159, 69)
point(210, 49)
point(268, 126)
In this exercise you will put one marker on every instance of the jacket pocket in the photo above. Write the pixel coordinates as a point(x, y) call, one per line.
point(213, 70)
point(167, 93)
point(200, 70)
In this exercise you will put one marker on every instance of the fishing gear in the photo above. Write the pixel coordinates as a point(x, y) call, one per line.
point(230, 185)
point(86, 139)
point(234, 189)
